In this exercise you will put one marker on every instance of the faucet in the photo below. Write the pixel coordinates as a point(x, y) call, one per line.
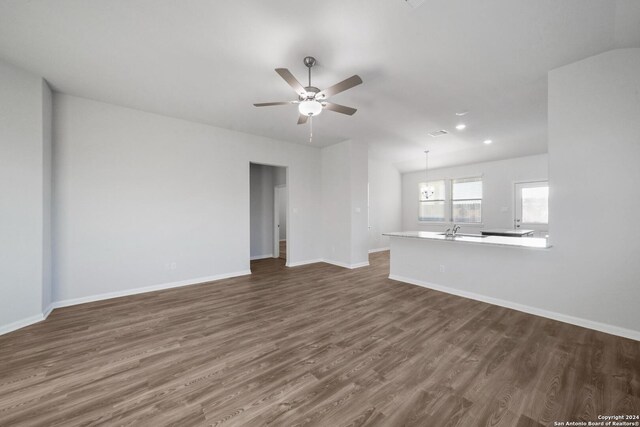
point(451, 232)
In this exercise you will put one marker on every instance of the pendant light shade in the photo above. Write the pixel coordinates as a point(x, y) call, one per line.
point(310, 108)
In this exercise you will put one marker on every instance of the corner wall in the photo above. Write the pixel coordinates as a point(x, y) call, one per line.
point(594, 167)
point(145, 201)
point(25, 163)
point(385, 203)
point(344, 204)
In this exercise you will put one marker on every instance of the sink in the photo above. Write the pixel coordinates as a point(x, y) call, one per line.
point(464, 235)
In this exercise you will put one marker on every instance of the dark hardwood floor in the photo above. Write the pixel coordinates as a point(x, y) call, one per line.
point(311, 345)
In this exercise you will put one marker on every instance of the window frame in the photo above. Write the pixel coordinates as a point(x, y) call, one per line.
point(420, 201)
point(467, 179)
point(448, 201)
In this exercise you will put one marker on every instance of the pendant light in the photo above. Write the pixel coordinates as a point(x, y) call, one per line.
point(427, 192)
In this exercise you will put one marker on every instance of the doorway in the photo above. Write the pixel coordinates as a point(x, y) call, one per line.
point(268, 212)
point(532, 206)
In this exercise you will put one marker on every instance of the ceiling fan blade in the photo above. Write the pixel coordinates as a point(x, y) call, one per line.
point(352, 81)
point(339, 108)
point(268, 104)
point(302, 119)
point(293, 82)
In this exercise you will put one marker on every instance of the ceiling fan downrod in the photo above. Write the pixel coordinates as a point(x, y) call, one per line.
point(309, 61)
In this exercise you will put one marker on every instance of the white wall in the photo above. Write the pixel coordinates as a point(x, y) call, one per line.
point(280, 176)
point(594, 167)
point(498, 180)
point(261, 210)
point(47, 191)
point(136, 192)
point(385, 203)
point(336, 203)
point(359, 171)
point(24, 165)
point(344, 201)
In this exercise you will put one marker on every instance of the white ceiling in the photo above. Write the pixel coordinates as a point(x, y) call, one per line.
point(208, 61)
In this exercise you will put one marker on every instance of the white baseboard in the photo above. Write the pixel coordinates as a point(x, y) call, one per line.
point(345, 265)
point(127, 292)
point(360, 264)
point(328, 261)
point(255, 257)
point(47, 311)
point(74, 301)
point(299, 263)
point(18, 324)
point(379, 250)
point(585, 323)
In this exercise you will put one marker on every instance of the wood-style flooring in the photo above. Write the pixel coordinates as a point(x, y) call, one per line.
point(310, 345)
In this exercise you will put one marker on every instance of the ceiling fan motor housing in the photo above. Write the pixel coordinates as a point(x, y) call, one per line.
point(311, 92)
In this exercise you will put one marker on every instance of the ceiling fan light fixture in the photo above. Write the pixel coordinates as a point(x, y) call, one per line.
point(310, 107)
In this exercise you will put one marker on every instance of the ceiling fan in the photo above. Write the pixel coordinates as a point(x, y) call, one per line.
point(311, 100)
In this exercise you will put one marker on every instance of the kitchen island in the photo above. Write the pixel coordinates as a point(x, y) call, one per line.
point(505, 271)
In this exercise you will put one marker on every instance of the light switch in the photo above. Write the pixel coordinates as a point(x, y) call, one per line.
point(295, 211)
point(357, 210)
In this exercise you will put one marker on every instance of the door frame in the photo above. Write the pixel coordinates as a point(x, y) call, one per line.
point(248, 208)
point(276, 219)
point(516, 196)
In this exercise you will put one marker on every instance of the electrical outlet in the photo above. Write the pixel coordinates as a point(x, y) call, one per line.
point(173, 266)
point(442, 269)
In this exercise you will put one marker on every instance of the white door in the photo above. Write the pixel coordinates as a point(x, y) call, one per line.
point(532, 206)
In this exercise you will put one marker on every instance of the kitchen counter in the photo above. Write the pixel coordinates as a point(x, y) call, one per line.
point(477, 239)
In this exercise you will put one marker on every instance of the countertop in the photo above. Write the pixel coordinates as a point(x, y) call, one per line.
point(523, 242)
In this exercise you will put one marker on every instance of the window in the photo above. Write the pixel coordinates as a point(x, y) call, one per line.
point(466, 197)
point(457, 200)
point(432, 201)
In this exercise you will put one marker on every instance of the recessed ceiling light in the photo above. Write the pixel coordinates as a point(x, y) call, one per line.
point(462, 113)
point(487, 141)
point(461, 126)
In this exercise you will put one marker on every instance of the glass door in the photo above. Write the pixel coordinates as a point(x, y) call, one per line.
point(532, 206)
